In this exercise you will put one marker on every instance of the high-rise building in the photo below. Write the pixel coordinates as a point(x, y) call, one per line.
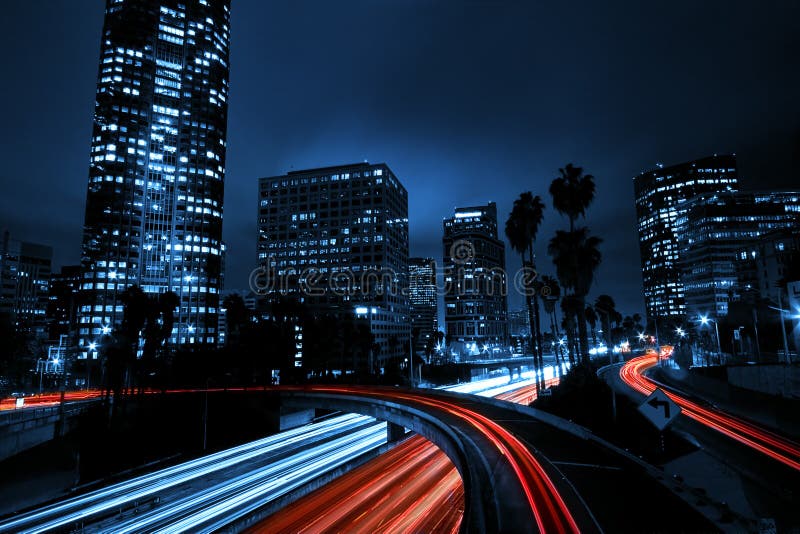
point(62, 303)
point(661, 195)
point(764, 264)
point(337, 238)
point(24, 281)
point(475, 287)
point(423, 299)
point(250, 300)
point(712, 231)
point(157, 164)
point(518, 323)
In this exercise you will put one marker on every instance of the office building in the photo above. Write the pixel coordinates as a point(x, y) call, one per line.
point(250, 301)
point(423, 299)
point(336, 238)
point(25, 270)
point(62, 302)
point(475, 282)
point(766, 263)
point(712, 231)
point(157, 164)
point(518, 323)
point(661, 195)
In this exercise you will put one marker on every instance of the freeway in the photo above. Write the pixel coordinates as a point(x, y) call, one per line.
point(216, 489)
point(605, 488)
point(412, 488)
point(736, 464)
point(745, 432)
point(97, 506)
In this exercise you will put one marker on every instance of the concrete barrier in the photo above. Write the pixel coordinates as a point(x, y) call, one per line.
point(780, 380)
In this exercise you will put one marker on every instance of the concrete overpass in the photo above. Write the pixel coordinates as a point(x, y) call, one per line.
point(506, 486)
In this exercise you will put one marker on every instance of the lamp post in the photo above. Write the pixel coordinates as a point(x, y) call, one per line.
point(705, 320)
point(368, 312)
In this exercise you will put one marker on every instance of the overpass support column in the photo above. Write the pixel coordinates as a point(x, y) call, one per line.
point(394, 432)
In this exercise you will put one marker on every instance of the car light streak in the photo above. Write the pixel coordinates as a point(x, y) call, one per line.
point(400, 491)
point(762, 440)
point(209, 509)
point(219, 505)
point(78, 509)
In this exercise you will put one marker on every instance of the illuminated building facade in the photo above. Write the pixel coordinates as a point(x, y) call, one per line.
point(157, 164)
point(423, 299)
point(713, 230)
point(661, 195)
point(24, 281)
point(336, 238)
point(474, 278)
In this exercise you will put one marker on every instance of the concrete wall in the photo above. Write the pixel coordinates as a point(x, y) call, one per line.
point(780, 380)
point(28, 427)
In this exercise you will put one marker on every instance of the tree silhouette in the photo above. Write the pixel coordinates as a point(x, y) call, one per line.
point(521, 228)
point(575, 253)
point(576, 256)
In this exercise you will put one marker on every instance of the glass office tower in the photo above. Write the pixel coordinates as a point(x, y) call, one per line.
point(475, 296)
point(661, 195)
point(336, 238)
point(157, 164)
point(712, 233)
point(423, 298)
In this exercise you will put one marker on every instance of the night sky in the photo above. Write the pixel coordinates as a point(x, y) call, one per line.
point(467, 101)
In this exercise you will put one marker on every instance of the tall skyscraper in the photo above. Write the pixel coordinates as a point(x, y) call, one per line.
point(337, 238)
point(157, 164)
point(474, 278)
point(661, 195)
point(423, 299)
point(713, 231)
point(24, 281)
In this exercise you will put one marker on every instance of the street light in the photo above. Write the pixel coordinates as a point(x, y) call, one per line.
point(680, 332)
point(704, 320)
point(368, 312)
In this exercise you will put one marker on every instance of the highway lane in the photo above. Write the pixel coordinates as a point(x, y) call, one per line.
point(89, 507)
point(755, 484)
point(277, 473)
point(412, 488)
point(619, 491)
point(767, 442)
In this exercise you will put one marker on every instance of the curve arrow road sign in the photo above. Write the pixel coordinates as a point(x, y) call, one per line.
point(659, 409)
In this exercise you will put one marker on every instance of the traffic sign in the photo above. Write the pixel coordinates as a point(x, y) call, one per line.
point(659, 409)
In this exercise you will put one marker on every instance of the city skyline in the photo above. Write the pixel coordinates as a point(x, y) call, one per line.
point(485, 266)
point(427, 144)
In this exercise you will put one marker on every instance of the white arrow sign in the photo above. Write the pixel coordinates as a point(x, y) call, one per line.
point(659, 409)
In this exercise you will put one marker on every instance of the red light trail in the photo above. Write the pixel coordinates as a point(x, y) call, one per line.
point(760, 439)
point(415, 488)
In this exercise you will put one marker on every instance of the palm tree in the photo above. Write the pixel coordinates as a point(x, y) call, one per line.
point(575, 253)
point(551, 293)
point(160, 320)
point(637, 322)
point(576, 256)
point(606, 308)
point(521, 228)
point(569, 311)
point(572, 192)
point(627, 326)
point(122, 358)
point(591, 318)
